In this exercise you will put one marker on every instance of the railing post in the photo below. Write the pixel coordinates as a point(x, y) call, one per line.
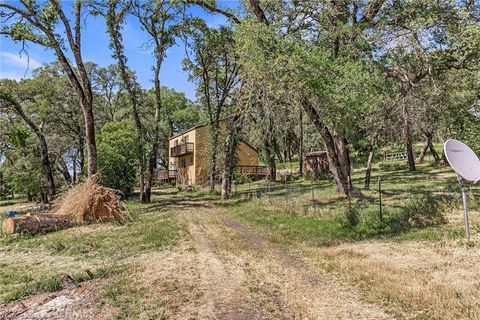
point(380, 197)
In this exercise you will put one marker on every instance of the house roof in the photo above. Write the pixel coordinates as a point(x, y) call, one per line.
point(188, 130)
point(249, 145)
point(204, 125)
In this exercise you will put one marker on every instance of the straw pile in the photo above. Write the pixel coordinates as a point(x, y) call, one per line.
point(89, 201)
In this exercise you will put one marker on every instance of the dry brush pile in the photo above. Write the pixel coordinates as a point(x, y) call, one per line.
point(86, 202)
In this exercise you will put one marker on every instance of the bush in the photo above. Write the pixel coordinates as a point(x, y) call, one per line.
point(117, 157)
point(419, 212)
point(240, 178)
point(353, 215)
point(424, 210)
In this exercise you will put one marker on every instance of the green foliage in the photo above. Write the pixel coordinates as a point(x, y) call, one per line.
point(424, 210)
point(117, 157)
point(18, 136)
point(240, 178)
point(352, 214)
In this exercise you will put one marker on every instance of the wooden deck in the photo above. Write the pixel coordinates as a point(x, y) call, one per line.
point(163, 174)
point(257, 171)
point(250, 171)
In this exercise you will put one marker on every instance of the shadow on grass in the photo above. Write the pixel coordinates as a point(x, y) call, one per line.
point(421, 218)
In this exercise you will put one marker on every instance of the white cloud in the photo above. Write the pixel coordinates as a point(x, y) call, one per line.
point(15, 60)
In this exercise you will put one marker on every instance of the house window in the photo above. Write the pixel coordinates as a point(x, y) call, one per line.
point(175, 143)
point(185, 139)
point(183, 163)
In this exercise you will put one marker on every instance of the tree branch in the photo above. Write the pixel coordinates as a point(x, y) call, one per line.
point(211, 8)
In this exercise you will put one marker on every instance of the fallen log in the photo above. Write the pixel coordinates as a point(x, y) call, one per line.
point(35, 224)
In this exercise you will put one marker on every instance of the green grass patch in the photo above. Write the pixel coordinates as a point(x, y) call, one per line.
point(104, 247)
point(146, 232)
point(414, 206)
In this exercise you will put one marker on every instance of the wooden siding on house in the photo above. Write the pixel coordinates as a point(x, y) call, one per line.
point(197, 163)
point(202, 164)
point(185, 175)
point(247, 155)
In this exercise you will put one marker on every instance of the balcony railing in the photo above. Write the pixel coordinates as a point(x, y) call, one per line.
point(252, 170)
point(181, 149)
point(163, 174)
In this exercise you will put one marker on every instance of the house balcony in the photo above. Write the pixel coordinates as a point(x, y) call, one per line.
point(164, 174)
point(181, 149)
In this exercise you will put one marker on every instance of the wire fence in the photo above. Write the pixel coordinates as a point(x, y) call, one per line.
point(382, 192)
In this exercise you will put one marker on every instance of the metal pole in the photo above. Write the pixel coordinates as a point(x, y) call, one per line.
point(465, 208)
point(311, 186)
point(380, 197)
point(349, 196)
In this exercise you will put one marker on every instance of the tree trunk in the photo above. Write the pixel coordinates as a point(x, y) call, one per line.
point(113, 25)
point(82, 85)
point(281, 158)
point(368, 172)
point(152, 162)
point(35, 224)
point(90, 138)
point(341, 181)
point(81, 154)
point(435, 155)
point(62, 167)
point(422, 154)
point(343, 154)
point(213, 155)
point(270, 149)
point(406, 137)
point(229, 162)
point(271, 166)
point(47, 166)
point(74, 168)
point(42, 143)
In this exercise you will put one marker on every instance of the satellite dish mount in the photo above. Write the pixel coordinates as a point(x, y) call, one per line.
point(466, 164)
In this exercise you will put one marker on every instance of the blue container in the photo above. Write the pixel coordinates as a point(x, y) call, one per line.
point(11, 214)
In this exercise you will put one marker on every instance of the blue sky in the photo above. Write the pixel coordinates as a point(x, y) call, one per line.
point(95, 48)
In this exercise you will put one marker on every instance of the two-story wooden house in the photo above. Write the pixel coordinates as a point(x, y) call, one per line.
point(189, 163)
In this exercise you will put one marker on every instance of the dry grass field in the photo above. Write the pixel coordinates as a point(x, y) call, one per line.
point(265, 254)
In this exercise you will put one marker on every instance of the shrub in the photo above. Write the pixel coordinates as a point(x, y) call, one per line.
point(240, 178)
point(353, 214)
point(424, 210)
point(116, 156)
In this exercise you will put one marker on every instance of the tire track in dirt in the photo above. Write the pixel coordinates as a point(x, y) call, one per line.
point(243, 276)
point(310, 293)
point(222, 276)
point(197, 279)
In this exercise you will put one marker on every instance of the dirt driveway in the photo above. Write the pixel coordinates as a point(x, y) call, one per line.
point(241, 275)
point(220, 269)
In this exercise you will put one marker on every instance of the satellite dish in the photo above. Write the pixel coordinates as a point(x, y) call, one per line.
point(466, 164)
point(463, 160)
